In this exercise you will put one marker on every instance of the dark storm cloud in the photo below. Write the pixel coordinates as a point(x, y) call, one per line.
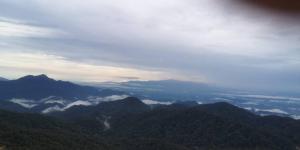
point(282, 6)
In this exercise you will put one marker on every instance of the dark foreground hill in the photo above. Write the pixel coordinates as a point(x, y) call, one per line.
point(37, 132)
point(202, 128)
point(211, 126)
point(129, 124)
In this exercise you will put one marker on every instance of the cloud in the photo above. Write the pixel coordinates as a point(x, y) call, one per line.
point(59, 67)
point(14, 28)
point(208, 40)
point(288, 6)
point(153, 102)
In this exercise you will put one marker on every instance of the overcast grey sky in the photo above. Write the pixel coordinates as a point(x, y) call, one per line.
point(215, 41)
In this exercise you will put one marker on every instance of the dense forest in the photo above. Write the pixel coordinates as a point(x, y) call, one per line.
point(130, 124)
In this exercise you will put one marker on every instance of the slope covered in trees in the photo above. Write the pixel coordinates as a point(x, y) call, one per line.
point(131, 125)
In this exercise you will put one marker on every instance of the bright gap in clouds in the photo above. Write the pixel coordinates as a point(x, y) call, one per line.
point(15, 28)
point(21, 64)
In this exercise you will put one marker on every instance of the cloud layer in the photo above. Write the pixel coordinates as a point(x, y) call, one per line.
point(207, 41)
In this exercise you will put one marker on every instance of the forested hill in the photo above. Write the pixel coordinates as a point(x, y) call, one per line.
point(130, 124)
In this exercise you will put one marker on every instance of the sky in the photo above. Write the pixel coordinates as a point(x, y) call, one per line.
point(233, 43)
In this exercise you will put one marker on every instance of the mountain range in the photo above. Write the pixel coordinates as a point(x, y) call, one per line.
point(42, 94)
point(40, 113)
point(165, 90)
point(168, 91)
point(39, 87)
point(129, 124)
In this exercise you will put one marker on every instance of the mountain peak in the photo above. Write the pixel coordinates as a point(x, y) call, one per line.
point(3, 79)
point(219, 106)
point(227, 110)
point(38, 77)
point(132, 100)
point(42, 76)
point(41, 86)
point(129, 104)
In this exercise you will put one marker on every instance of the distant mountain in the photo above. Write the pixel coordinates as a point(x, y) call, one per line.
point(38, 87)
point(170, 91)
point(43, 94)
point(92, 118)
point(125, 106)
point(7, 105)
point(166, 90)
point(3, 79)
point(209, 126)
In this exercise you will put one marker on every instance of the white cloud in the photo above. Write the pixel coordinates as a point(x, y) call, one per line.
point(272, 111)
point(97, 100)
point(77, 103)
point(297, 117)
point(24, 102)
point(16, 29)
point(61, 68)
point(52, 109)
point(271, 97)
point(153, 102)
